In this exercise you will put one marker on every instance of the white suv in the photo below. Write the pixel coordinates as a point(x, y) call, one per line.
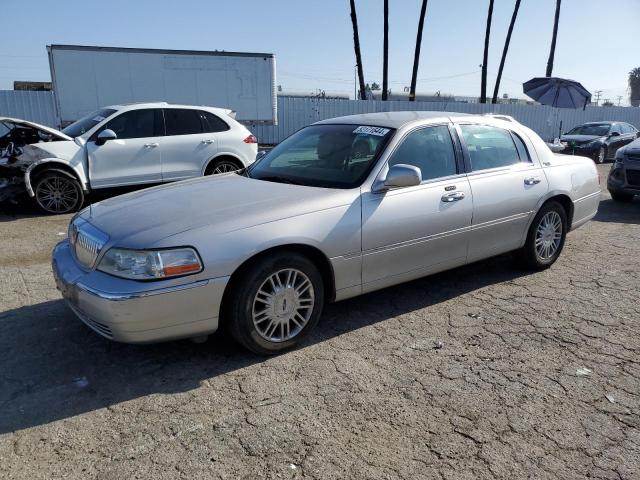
point(135, 145)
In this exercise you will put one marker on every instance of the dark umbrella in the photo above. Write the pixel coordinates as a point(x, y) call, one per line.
point(557, 92)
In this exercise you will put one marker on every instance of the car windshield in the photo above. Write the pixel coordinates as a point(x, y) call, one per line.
point(85, 124)
point(330, 156)
point(600, 129)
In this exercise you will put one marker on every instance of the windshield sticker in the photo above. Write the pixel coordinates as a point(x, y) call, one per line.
point(97, 118)
point(377, 131)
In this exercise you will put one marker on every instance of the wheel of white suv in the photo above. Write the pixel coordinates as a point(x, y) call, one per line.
point(222, 166)
point(275, 303)
point(545, 238)
point(57, 192)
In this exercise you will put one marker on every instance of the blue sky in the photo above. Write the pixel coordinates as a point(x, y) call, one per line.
point(312, 40)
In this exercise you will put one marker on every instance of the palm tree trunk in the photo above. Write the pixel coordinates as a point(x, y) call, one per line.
point(504, 52)
point(552, 52)
point(356, 47)
point(485, 58)
point(416, 56)
point(385, 52)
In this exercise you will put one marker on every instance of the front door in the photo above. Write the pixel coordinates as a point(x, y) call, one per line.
point(507, 186)
point(411, 232)
point(134, 157)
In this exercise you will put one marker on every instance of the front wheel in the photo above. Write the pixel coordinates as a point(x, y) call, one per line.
point(57, 193)
point(275, 303)
point(601, 156)
point(546, 237)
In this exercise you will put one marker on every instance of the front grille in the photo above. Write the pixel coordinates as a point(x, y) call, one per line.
point(87, 242)
point(633, 177)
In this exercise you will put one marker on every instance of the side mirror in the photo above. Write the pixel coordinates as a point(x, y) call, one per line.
point(402, 175)
point(614, 134)
point(105, 135)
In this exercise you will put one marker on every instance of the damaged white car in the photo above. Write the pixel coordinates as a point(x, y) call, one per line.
point(119, 146)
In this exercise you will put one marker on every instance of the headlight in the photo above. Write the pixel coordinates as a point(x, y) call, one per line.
point(150, 264)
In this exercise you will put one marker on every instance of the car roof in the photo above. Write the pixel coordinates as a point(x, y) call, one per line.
point(138, 105)
point(388, 119)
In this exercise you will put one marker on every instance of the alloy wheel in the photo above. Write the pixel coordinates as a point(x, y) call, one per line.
point(283, 305)
point(548, 235)
point(601, 155)
point(224, 167)
point(57, 194)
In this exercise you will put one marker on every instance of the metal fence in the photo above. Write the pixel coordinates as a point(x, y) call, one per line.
point(294, 113)
point(28, 105)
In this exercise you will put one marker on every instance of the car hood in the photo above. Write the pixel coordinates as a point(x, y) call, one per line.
point(222, 203)
point(580, 138)
point(56, 133)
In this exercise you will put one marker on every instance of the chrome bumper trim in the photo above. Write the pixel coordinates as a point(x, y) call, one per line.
point(117, 297)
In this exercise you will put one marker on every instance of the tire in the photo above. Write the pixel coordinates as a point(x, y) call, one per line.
point(543, 247)
point(621, 197)
point(57, 193)
point(223, 165)
point(601, 156)
point(267, 326)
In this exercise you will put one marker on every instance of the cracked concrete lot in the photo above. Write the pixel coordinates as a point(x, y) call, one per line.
point(538, 377)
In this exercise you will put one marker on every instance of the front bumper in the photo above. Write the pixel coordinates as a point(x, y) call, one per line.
point(137, 312)
point(584, 151)
point(624, 180)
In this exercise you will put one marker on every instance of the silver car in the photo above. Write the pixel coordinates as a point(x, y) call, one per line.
point(342, 207)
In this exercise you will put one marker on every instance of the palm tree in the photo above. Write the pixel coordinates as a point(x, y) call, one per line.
point(504, 52)
point(416, 56)
point(552, 52)
point(634, 87)
point(385, 52)
point(485, 58)
point(356, 47)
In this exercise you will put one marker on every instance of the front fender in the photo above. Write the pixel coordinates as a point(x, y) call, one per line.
point(55, 162)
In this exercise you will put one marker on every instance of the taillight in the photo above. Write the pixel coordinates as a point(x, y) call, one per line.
point(251, 139)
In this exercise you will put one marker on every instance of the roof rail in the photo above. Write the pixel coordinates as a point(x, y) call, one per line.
point(501, 116)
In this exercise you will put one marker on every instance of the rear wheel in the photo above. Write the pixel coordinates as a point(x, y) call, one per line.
point(275, 303)
point(57, 193)
point(222, 166)
point(621, 197)
point(546, 237)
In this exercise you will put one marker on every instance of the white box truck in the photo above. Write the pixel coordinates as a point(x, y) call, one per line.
point(86, 78)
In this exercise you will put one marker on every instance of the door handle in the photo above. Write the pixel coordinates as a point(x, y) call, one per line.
point(532, 181)
point(150, 145)
point(207, 142)
point(452, 197)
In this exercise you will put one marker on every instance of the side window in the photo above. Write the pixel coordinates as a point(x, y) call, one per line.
point(212, 123)
point(430, 149)
point(489, 147)
point(523, 153)
point(133, 124)
point(182, 121)
point(616, 128)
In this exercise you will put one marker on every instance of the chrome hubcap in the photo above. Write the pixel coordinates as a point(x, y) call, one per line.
point(283, 305)
point(601, 155)
point(548, 235)
point(224, 167)
point(57, 195)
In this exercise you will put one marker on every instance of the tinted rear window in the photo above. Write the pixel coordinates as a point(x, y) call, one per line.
point(182, 121)
point(212, 123)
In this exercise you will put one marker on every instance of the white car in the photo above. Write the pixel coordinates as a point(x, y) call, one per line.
point(135, 144)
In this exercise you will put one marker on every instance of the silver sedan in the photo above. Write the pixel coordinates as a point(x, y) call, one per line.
point(342, 207)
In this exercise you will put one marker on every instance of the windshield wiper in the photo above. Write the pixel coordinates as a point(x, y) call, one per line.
point(279, 179)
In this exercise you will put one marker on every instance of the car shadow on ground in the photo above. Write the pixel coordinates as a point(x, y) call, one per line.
point(52, 367)
point(611, 211)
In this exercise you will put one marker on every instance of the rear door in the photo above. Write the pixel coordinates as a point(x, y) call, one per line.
point(506, 183)
point(134, 156)
point(410, 232)
point(188, 144)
